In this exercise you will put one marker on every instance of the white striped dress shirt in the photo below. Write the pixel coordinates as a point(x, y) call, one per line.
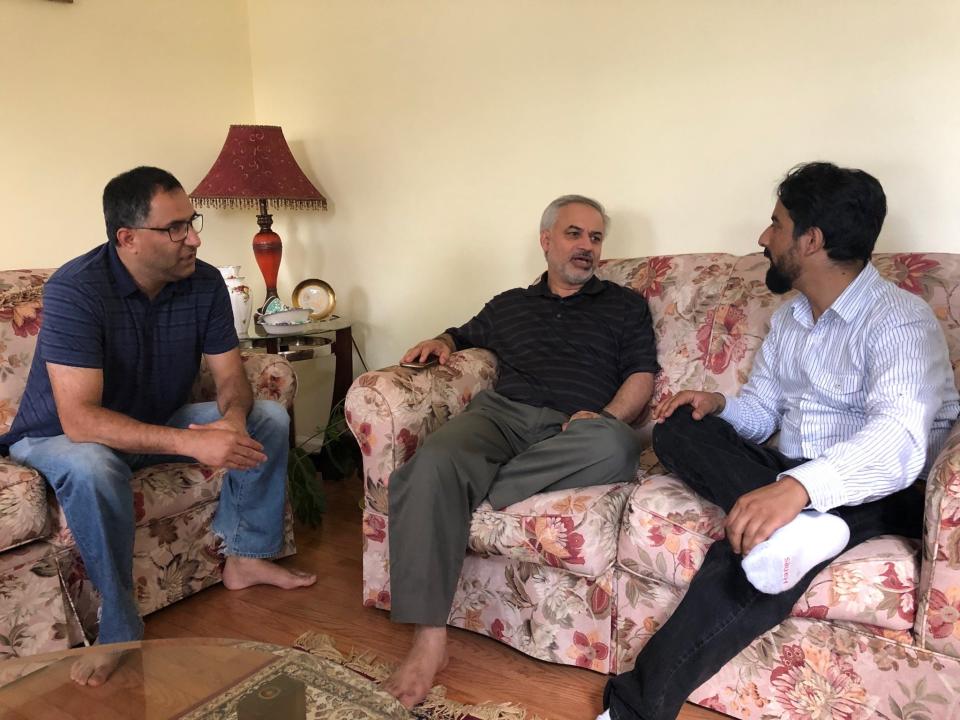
point(866, 392)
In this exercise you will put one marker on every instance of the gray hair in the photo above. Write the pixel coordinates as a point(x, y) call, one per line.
point(549, 216)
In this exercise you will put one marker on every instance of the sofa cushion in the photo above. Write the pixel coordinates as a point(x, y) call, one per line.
point(23, 504)
point(681, 291)
point(20, 317)
point(159, 491)
point(874, 583)
point(571, 529)
point(667, 529)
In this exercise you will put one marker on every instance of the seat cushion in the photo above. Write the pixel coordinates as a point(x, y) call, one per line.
point(571, 529)
point(667, 529)
point(23, 505)
point(159, 491)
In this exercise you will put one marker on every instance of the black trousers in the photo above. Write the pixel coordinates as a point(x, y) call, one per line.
point(722, 613)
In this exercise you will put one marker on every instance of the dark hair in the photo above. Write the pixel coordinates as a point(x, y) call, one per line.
point(127, 198)
point(847, 205)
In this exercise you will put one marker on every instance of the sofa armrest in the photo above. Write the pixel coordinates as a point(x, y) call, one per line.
point(271, 377)
point(937, 625)
point(391, 411)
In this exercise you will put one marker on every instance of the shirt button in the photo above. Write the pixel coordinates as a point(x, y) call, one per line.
point(559, 315)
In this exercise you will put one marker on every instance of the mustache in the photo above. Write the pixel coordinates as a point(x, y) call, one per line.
point(766, 253)
point(582, 255)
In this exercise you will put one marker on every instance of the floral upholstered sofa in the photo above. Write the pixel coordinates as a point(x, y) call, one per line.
point(585, 577)
point(46, 601)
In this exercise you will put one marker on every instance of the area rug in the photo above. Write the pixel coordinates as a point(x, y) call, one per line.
point(437, 706)
point(315, 681)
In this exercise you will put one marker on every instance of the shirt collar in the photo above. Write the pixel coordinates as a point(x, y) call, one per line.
point(593, 286)
point(851, 302)
point(121, 275)
point(856, 295)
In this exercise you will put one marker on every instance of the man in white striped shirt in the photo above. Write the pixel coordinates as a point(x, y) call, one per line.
point(856, 375)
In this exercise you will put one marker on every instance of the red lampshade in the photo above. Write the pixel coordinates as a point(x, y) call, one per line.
point(254, 168)
point(256, 164)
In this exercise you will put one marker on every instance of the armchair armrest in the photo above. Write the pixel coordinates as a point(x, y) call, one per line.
point(271, 377)
point(391, 411)
point(937, 625)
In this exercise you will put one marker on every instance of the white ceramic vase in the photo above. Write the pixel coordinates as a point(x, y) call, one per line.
point(239, 298)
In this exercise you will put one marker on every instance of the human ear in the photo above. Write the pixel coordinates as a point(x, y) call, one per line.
point(544, 239)
point(125, 237)
point(813, 240)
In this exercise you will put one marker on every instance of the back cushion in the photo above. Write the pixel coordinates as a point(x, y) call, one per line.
point(682, 291)
point(20, 316)
point(712, 311)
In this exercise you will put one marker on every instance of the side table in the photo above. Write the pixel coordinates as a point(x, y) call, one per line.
point(308, 345)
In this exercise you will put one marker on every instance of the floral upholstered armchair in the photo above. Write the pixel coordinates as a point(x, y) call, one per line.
point(46, 601)
point(585, 577)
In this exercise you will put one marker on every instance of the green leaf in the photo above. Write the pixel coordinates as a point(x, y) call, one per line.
point(306, 488)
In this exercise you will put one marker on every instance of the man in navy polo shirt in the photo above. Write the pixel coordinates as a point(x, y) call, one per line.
point(576, 360)
point(125, 327)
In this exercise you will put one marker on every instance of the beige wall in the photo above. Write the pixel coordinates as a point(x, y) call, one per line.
point(91, 89)
point(439, 129)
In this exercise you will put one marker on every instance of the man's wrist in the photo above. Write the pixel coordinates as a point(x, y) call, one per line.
point(798, 487)
point(607, 414)
point(236, 416)
point(723, 403)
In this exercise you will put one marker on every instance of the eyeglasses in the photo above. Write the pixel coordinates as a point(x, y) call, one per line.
point(179, 230)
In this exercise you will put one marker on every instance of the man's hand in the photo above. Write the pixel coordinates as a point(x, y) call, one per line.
point(760, 513)
point(225, 423)
point(580, 415)
point(220, 444)
point(422, 350)
point(703, 404)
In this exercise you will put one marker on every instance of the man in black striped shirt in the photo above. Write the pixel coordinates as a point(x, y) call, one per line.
point(576, 358)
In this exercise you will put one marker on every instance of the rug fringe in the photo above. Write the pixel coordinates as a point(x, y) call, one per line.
point(437, 703)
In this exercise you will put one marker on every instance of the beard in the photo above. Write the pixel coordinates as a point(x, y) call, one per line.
point(575, 274)
point(778, 280)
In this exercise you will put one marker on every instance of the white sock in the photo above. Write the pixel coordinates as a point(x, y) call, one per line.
point(778, 563)
point(605, 715)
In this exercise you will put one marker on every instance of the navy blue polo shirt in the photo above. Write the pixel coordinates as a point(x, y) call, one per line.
point(567, 353)
point(95, 316)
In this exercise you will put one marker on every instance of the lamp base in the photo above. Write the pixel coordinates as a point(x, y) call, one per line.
point(267, 249)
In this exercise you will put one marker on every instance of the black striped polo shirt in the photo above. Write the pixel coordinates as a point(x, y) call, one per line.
point(569, 354)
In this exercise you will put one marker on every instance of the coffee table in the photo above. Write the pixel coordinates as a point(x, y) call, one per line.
point(190, 679)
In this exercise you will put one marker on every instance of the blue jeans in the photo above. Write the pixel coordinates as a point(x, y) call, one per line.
point(92, 484)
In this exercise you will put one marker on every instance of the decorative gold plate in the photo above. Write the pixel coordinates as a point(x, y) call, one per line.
point(315, 295)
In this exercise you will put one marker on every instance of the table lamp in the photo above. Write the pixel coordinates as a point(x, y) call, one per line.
point(256, 167)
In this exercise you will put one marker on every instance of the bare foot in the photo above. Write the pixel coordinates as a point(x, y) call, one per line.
point(241, 572)
point(94, 669)
point(411, 682)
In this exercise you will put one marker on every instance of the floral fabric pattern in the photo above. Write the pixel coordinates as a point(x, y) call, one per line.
point(270, 376)
point(36, 614)
point(46, 599)
point(391, 411)
point(23, 505)
point(877, 634)
point(21, 313)
point(574, 530)
point(807, 670)
point(539, 610)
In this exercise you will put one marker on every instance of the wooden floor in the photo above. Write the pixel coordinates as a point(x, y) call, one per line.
point(480, 669)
